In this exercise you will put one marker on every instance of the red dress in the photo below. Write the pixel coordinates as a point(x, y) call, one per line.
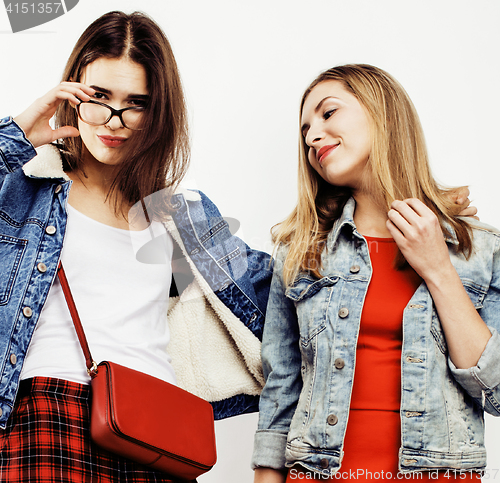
point(373, 435)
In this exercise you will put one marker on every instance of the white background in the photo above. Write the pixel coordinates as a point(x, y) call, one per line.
point(245, 65)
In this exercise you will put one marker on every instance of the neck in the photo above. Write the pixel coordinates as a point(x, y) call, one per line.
point(370, 218)
point(94, 175)
point(90, 192)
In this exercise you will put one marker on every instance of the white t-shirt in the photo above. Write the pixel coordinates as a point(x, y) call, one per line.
point(122, 303)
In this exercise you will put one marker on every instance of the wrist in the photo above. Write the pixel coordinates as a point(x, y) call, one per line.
point(20, 127)
point(18, 121)
point(441, 276)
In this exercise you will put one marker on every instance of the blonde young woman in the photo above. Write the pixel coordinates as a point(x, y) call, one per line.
point(380, 348)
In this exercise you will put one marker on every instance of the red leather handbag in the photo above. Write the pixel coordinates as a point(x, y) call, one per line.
point(144, 418)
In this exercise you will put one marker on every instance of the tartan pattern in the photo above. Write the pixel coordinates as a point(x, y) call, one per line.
point(47, 440)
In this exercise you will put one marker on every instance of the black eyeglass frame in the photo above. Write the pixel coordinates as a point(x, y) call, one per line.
point(113, 112)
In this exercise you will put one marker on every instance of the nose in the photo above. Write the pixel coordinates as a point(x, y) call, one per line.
point(114, 123)
point(314, 135)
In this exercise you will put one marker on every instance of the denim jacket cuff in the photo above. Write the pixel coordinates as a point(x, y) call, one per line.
point(269, 450)
point(485, 375)
point(15, 148)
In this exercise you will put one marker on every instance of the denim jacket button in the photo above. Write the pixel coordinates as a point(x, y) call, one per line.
point(354, 269)
point(50, 230)
point(323, 463)
point(332, 420)
point(58, 188)
point(41, 267)
point(343, 312)
point(27, 312)
point(339, 363)
point(13, 359)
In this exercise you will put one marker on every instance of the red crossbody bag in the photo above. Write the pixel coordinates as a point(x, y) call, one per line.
point(144, 418)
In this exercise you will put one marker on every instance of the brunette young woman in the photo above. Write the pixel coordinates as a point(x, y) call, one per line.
point(380, 348)
point(123, 141)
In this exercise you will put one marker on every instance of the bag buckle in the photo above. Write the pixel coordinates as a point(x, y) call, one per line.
point(92, 370)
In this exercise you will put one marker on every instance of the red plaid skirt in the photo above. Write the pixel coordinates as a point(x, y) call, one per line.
point(47, 440)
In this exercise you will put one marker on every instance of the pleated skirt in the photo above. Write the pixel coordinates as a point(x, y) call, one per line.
point(47, 440)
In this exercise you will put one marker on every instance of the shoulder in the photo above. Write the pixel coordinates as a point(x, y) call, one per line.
point(196, 197)
point(194, 208)
point(485, 237)
point(209, 206)
point(478, 268)
point(479, 226)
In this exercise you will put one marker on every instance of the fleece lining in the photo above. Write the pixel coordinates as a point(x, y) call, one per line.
point(215, 356)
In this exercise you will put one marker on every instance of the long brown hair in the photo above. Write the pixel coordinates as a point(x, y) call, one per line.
point(157, 156)
point(398, 163)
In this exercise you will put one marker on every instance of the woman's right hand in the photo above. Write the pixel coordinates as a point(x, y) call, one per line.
point(34, 121)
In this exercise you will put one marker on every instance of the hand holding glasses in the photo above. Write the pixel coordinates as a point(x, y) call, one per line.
point(97, 113)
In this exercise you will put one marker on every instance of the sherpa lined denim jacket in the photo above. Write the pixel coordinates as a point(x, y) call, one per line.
point(32, 226)
point(304, 406)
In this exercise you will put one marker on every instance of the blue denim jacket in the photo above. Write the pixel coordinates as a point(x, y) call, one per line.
point(32, 226)
point(304, 406)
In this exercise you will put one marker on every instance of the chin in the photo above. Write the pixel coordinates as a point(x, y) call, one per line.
point(106, 156)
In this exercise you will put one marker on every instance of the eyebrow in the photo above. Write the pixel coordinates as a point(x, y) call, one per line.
point(305, 127)
point(144, 97)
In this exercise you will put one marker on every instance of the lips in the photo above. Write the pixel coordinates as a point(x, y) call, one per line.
point(325, 151)
point(112, 141)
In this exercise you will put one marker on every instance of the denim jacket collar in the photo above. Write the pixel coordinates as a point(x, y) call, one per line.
point(347, 218)
point(46, 164)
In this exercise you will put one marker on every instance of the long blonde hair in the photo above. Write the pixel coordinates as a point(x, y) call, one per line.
point(398, 163)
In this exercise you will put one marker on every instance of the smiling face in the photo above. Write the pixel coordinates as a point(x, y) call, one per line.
point(336, 129)
point(120, 83)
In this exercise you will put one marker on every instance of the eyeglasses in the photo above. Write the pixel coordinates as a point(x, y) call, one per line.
point(96, 114)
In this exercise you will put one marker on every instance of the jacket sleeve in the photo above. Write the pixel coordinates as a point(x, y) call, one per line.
point(482, 381)
point(281, 360)
point(15, 149)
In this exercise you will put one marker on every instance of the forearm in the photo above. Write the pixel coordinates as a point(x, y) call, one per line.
point(465, 332)
point(268, 475)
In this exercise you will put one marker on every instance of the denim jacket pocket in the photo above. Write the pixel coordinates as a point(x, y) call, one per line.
point(311, 298)
point(476, 294)
point(11, 253)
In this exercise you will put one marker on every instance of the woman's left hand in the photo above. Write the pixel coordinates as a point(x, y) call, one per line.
point(416, 230)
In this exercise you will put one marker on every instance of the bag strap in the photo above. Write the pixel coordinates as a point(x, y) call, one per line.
point(91, 365)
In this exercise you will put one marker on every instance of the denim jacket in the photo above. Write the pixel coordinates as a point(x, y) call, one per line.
point(32, 226)
point(304, 406)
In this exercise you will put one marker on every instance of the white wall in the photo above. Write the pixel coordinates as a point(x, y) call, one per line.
point(245, 65)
